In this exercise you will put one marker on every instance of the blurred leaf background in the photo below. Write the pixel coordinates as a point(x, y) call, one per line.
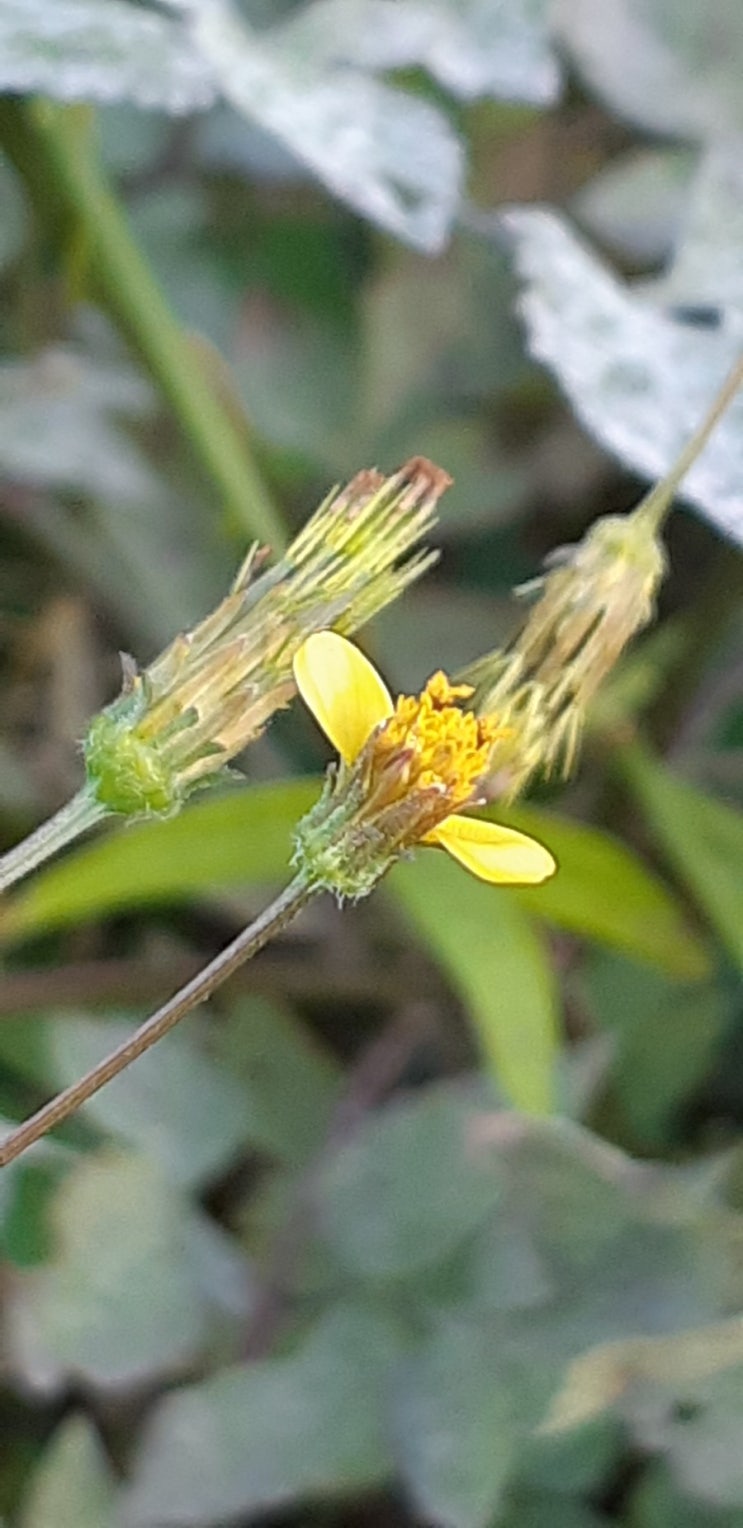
point(436, 1214)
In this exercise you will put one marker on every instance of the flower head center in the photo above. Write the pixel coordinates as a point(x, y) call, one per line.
point(431, 744)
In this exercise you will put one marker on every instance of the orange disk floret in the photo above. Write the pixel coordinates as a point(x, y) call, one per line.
point(445, 747)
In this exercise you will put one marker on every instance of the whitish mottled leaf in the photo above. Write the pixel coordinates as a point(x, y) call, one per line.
point(101, 50)
point(708, 269)
point(175, 1105)
point(636, 203)
point(60, 425)
point(264, 1434)
point(133, 1283)
point(639, 378)
point(392, 156)
point(473, 47)
point(72, 1485)
point(673, 66)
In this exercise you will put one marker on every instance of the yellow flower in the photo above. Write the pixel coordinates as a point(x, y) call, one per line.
point(407, 767)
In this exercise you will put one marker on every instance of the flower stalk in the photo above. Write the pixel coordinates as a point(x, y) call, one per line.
point(404, 771)
point(76, 817)
point(272, 921)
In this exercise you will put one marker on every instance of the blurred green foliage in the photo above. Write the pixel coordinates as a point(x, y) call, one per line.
point(435, 1216)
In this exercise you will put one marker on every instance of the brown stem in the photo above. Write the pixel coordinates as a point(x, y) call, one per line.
point(269, 923)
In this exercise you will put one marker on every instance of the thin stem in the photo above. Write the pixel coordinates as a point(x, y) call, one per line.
point(269, 923)
point(53, 146)
point(73, 819)
point(657, 503)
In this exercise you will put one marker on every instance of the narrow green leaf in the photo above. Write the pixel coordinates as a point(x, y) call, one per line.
point(227, 841)
point(702, 838)
point(73, 1486)
point(602, 890)
point(495, 959)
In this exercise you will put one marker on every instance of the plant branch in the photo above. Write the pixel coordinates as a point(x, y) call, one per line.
point(659, 501)
point(269, 923)
point(73, 819)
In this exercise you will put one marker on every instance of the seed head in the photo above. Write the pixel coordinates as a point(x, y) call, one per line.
point(178, 724)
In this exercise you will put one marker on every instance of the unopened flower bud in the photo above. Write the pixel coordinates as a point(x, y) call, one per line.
point(593, 598)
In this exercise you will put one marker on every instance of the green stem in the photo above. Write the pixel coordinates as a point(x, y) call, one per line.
point(54, 148)
point(73, 819)
point(258, 933)
point(657, 503)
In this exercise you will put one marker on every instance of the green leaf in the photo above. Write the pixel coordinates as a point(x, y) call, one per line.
point(602, 891)
point(265, 1434)
point(455, 1428)
point(496, 962)
point(134, 1284)
point(389, 1211)
point(643, 390)
point(658, 1502)
point(666, 1036)
point(177, 1107)
point(537, 1510)
point(288, 1081)
point(701, 837)
point(73, 1485)
point(230, 841)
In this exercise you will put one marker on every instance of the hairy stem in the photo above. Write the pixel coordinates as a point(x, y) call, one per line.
point(658, 502)
point(258, 933)
point(73, 819)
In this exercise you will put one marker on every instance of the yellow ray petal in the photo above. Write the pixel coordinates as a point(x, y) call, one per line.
point(494, 853)
point(342, 689)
